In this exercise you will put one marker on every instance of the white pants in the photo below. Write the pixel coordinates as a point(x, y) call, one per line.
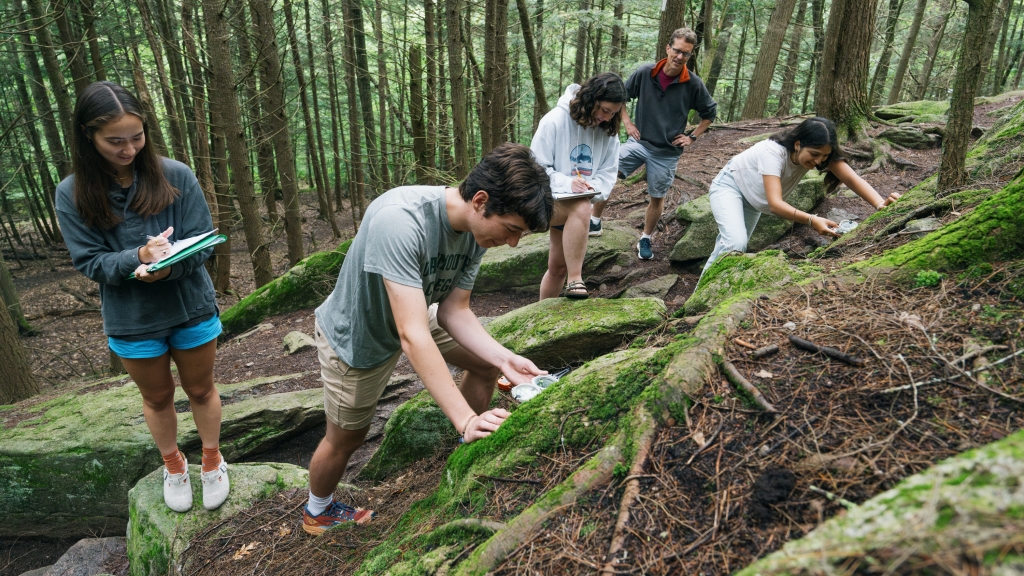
point(736, 218)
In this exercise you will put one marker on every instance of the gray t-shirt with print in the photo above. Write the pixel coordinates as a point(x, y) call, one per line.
point(405, 237)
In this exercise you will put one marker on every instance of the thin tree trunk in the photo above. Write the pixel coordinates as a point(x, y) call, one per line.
point(881, 74)
point(739, 67)
point(582, 33)
point(721, 46)
point(842, 86)
point(444, 128)
point(73, 50)
point(431, 93)
point(767, 57)
point(996, 20)
point(42, 103)
point(933, 49)
point(460, 119)
point(382, 94)
point(496, 76)
point(49, 187)
point(817, 19)
point(276, 116)
point(44, 46)
point(615, 54)
point(419, 128)
point(264, 149)
point(355, 25)
point(16, 379)
point(9, 298)
point(320, 148)
point(216, 14)
point(792, 62)
point(673, 15)
point(357, 178)
point(997, 76)
point(179, 79)
point(94, 45)
point(952, 172)
point(178, 143)
point(332, 88)
point(225, 207)
point(156, 134)
point(908, 49)
point(541, 104)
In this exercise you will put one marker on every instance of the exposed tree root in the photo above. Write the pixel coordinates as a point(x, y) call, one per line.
point(632, 491)
point(736, 378)
point(899, 223)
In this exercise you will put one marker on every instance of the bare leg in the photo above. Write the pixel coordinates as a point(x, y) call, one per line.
point(653, 215)
point(574, 238)
point(598, 208)
point(331, 458)
point(153, 378)
point(195, 368)
point(478, 382)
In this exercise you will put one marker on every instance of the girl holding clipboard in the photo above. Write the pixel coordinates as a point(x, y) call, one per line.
point(577, 143)
point(117, 210)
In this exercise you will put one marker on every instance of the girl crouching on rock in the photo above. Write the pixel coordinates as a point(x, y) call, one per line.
point(120, 193)
point(757, 180)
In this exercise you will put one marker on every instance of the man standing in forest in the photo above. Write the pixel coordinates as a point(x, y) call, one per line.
point(665, 91)
point(405, 287)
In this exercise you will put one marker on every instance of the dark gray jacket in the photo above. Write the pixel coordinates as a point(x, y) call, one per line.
point(133, 307)
point(661, 114)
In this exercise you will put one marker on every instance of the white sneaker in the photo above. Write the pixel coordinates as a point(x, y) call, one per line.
point(216, 486)
point(178, 490)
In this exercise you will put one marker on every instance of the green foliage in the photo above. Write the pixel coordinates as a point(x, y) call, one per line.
point(620, 471)
point(927, 278)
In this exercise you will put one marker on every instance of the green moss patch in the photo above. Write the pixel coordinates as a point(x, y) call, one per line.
point(735, 274)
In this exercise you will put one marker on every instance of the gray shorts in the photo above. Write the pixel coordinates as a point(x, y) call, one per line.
point(661, 167)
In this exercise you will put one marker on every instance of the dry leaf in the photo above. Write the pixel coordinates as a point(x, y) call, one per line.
point(764, 374)
point(807, 315)
point(284, 530)
point(910, 320)
point(698, 437)
point(245, 550)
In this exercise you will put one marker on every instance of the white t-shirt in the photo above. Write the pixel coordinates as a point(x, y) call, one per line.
point(765, 157)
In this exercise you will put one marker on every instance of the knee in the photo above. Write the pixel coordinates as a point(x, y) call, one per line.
point(582, 208)
point(200, 394)
point(557, 269)
point(486, 373)
point(734, 245)
point(159, 401)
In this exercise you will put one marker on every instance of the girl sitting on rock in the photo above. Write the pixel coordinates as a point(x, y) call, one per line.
point(577, 143)
point(757, 180)
point(120, 193)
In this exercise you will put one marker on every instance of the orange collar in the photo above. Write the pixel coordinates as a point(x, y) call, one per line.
point(684, 76)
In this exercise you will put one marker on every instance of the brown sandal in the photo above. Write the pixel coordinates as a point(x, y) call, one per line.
point(576, 290)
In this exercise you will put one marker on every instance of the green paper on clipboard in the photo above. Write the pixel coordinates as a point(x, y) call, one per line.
point(186, 248)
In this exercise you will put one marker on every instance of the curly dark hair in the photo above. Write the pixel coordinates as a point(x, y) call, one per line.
point(603, 87)
point(515, 184)
point(814, 132)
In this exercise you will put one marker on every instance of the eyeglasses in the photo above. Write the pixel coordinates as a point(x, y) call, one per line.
point(682, 53)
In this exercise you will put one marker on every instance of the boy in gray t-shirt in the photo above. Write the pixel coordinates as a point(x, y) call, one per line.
point(405, 287)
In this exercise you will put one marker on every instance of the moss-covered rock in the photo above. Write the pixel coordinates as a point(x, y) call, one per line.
point(908, 111)
point(306, 285)
point(974, 501)
point(66, 468)
point(911, 138)
point(157, 535)
point(520, 269)
point(657, 288)
point(416, 430)
point(559, 331)
point(735, 274)
point(701, 229)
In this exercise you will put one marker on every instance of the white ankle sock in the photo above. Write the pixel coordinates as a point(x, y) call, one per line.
point(595, 219)
point(318, 504)
point(648, 236)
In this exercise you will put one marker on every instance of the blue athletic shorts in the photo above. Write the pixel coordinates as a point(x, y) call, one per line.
point(182, 339)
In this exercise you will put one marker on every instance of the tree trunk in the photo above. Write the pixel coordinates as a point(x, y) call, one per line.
point(42, 103)
point(96, 56)
point(792, 62)
point(540, 107)
point(9, 298)
point(720, 47)
point(882, 69)
point(355, 25)
point(996, 21)
point(582, 34)
point(49, 187)
point(933, 49)
point(332, 87)
point(842, 85)
point(16, 379)
point(430, 160)
point(817, 18)
point(225, 207)
point(320, 148)
point(357, 180)
point(277, 122)
point(178, 140)
point(908, 49)
point(44, 45)
point(673, 14)
point(419, 128)
point(767, 57)
point(493, 108)
point(382, 94)
point(460, 119)
point(952, 172)
point(739, 67)
point(261, 140)
point(156, 134)
point(216, 13)
point(615, 53)
point(997, 76)
point(73, 49)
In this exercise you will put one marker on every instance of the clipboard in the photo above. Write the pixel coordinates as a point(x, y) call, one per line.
point(574, 195)
point(197, 247)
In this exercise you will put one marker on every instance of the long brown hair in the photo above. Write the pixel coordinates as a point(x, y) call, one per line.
point(604, 87)
point(100, 103)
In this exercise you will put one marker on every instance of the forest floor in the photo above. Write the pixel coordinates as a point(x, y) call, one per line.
point(730, 485)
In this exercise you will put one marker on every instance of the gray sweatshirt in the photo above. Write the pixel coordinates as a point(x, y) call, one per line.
point(132, 308)
point(661, 114)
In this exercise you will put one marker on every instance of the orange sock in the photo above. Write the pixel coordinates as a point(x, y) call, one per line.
point(211, 458)
point(175, 462)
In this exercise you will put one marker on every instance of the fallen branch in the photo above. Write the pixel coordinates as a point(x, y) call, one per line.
point(89, 302)
point(511, 480)
point(632, 491)
point(825, 350)
point(736, 378)
point(765, 351)
point(957, 376)
point(744, 343)
point(979, 352)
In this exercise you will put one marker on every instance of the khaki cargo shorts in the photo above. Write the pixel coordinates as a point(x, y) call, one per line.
point(351, 394)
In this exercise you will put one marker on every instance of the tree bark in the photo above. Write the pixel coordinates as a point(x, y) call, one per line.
point(49, 187)
point(42, 103)
point(96, 56)
point(767, 57)
point(995, 20)
point(44, 46)
point(952, 172)
point(908, 49)
point(332, 87)
point(842, 85)
point(493, 108)
point(73, 49)
point(355, 25)
point(720, 47)
point(739, 67)
point(672, 16)
point(460, 119)
point(997, 76)
point(430, 160)
point(16, 379)
point(276, 117)
point(540, 107)
point(261, 140)
point(382, 94)
point(178, 140)
point(9, 298)
point(881, 74)
point(817, 19)
point(933, 49)
point(792, 62)
point(216, 14)
point(156, 134)
point(357, 179)
point(180, 88)
point(225, 207)
point(615, 52)
point(582, 34)
point(419, 128)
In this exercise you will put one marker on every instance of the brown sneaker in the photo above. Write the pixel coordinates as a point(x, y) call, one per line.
point(336, 513)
